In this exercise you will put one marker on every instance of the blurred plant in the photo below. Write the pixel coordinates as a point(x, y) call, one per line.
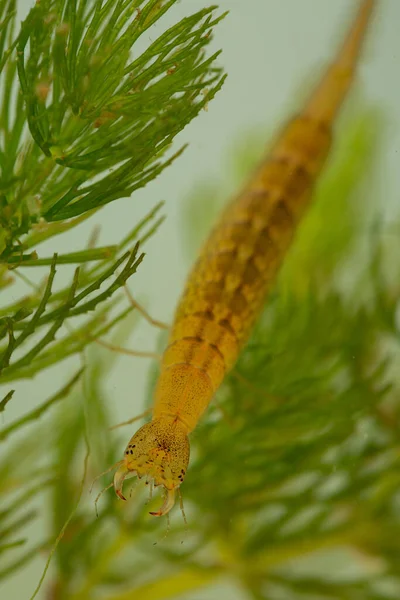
point(81, 125)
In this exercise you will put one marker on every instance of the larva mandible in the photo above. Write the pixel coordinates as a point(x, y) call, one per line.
point(227, 286)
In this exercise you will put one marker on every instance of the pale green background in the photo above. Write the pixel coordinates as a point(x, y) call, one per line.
point(270, 47)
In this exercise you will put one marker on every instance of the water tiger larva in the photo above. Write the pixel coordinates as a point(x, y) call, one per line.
point(227, 286)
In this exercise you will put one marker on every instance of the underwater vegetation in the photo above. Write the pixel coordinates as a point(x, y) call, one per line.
point(293, 485)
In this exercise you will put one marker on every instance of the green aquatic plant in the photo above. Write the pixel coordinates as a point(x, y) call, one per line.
point(82, 124)
point(293, 488)
point(89, 109)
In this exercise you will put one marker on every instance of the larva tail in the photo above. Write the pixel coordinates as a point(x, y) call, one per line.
point(326, 100)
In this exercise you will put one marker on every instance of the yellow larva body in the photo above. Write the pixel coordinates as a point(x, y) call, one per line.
point(227, 286)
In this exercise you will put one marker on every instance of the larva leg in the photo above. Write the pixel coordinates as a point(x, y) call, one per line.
point(147, 412)
point(143, 414)
point(227, 418)
point(118, 464)
point(127, 351)
point(113, 348)
point(143, 311)
point(253, 388)
point(149, 319)
point(99, 496)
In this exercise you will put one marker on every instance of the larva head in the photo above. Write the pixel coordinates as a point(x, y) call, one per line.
point(159, 451)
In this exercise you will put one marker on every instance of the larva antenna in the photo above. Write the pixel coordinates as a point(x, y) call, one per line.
point(327, 98)
point(120, 462)
point(145, 413)
point(110, 485)
point(143, 311)
point(117, 464)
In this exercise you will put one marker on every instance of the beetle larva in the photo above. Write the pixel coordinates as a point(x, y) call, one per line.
point(227, 286)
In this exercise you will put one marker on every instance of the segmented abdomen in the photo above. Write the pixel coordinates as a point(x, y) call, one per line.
point(227, 286)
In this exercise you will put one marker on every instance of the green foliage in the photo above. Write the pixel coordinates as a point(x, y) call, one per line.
point(83, 123)
point(99, 122)
point(88, 114)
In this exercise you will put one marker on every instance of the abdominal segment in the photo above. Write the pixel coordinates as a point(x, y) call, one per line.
point(238, 264)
